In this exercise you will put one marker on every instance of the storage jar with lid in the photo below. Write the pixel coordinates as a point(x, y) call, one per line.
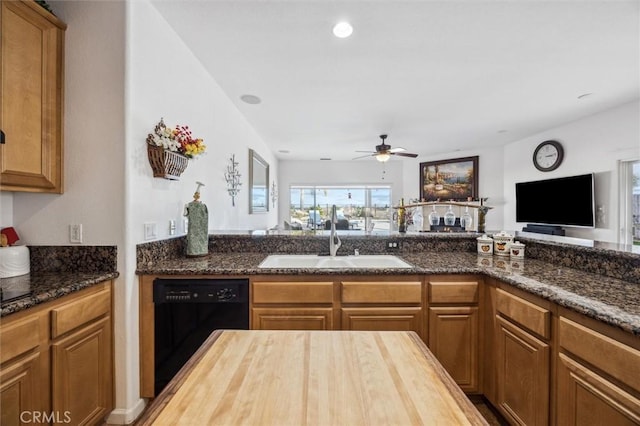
point(517, 250)
point(501, 243)
point(485, 245)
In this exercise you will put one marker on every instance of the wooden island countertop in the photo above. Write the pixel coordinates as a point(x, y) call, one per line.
point(312, 378)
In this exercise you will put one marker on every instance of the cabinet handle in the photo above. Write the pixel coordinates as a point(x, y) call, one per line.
point(1, 137)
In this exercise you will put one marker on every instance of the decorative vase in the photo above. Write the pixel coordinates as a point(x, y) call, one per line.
point(450, 217)
point(466, 221)
point(166, 164)
point(434, 217)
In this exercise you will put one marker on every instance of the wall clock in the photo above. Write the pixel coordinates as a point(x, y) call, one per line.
point(548, 156)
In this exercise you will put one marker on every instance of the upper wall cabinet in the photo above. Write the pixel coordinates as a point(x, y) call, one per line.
point(31, 98)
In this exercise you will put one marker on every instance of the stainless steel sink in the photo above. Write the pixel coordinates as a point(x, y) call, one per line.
point(294, 261)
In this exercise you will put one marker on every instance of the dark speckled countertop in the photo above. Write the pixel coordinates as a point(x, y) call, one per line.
point(613, 301)
point(57, 271)
point(46, 286)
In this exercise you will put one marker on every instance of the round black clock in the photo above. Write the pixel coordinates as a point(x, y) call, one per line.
point(548, 156)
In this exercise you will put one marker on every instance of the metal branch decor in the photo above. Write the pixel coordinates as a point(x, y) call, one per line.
point(232, 176)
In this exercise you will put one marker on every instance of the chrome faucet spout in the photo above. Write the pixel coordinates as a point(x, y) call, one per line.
point(334, 240)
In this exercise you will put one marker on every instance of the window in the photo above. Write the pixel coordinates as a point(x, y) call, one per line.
point(359, 208)
point(630, 203)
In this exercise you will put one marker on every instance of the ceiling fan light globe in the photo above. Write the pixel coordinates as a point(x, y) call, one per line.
point(383, 157)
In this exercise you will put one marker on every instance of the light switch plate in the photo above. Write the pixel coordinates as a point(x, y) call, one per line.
point(75, 233)
point(150, 231)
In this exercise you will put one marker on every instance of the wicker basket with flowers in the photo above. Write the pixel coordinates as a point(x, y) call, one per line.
point(169, 150)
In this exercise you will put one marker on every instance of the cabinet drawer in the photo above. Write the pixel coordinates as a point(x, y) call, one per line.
point(613, 357)
point(18, 338)
point(381, 292)
point(525, 313)
point(79, 312)
point(292, 292)
point(453, 292)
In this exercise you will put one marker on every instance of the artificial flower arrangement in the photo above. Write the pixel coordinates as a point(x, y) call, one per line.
point(178, 140)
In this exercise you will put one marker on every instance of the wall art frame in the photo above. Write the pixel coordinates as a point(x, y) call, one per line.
point(454, 179)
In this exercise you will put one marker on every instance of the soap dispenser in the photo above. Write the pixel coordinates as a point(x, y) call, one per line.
point(198, 228)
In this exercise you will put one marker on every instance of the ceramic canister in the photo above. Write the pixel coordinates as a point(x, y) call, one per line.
point(485, 244)
point(502, 243)
point(517, 250)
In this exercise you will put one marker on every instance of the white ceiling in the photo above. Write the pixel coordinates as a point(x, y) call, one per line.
point(437, 76)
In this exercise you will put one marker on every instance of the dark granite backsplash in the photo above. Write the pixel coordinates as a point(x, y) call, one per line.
point(612, 263)
point(81, 259)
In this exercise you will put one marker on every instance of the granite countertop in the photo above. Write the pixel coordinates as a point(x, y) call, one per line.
point(613, 301)
point(47, 286)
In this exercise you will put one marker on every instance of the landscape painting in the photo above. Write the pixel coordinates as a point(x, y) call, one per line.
point(455, 179)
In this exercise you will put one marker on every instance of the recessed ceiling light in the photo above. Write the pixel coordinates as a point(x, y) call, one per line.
point(502, 131)
point(284, 151)
point(250, 99)
point(585, 95)
point(342, 30)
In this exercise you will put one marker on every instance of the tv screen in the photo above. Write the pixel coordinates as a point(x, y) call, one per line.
point(567, 201)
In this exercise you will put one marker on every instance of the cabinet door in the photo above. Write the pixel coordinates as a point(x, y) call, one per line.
point(453, 339)
point(31, 98)
point(586, 398)
point(19, 390)
point(81, 373)
point(292, 318)
point(523, 375)
point(382, 319)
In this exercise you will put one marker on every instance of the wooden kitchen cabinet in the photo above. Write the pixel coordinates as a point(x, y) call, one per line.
point(57, 358)
point(31, 98)
point(292, 305)
point(23, 358)
point(82, 357)
point(522, 357)
point(292, 318)
point(382, 318)
point(598, 375)
point(376, 305)
point(453, 323)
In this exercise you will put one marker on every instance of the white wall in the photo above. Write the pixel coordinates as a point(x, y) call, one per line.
point(593, 144)
point(166, 80)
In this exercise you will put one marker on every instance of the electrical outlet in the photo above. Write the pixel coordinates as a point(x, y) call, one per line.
point(75, 233)
point(150, 231)
point(172, 227)
point(393, 245)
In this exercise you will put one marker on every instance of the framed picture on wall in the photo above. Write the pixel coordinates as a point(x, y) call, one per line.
point(455, 179)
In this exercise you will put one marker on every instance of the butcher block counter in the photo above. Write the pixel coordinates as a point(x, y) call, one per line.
point(312, 377)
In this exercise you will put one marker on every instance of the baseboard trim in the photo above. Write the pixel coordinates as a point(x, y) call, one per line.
point(122, 416)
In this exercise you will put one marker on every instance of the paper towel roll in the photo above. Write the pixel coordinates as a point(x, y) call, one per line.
point(14, 261)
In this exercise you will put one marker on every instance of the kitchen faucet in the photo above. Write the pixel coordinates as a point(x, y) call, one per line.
point(334, 240)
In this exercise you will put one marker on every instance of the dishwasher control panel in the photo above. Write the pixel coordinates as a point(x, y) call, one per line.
point(200, 290)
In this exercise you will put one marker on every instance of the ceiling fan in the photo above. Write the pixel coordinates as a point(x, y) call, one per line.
point(383, 152)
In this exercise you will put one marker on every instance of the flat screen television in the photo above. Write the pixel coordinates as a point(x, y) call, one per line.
point(566, 201)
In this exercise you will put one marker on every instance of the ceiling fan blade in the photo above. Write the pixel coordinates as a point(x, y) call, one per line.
point(405, 154)
point(398, 149)
point(370, 152)
point(363, 156)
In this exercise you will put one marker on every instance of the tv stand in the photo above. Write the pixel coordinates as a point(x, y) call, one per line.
point(544, 229)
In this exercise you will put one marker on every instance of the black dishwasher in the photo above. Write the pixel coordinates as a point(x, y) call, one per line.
point(187, 311)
